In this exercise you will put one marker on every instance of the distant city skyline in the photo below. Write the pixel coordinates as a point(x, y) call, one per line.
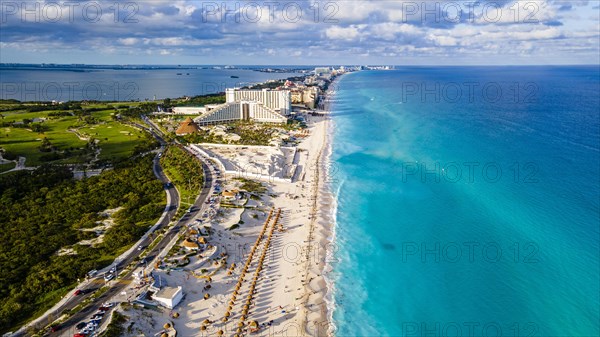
point(503, 32)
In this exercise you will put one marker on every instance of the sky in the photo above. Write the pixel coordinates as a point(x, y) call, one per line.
point(181, 32)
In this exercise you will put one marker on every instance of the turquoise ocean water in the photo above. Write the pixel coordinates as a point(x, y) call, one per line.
point(468, 202)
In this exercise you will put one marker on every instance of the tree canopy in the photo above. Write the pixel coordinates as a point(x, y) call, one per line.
point(44, 210)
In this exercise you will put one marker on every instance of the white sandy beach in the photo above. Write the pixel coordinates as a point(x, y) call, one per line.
point(290, 290)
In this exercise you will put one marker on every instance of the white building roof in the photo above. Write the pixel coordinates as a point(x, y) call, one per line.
point(169, 296)
point(167, 292)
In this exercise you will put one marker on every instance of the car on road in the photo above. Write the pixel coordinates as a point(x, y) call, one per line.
point(78, 292)
point(55, 328)
point(141, 247)
point(80, 325)
point(109, 276)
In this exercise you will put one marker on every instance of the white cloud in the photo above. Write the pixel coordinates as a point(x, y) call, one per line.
point(390, 30)
point(516, 12)
point(351, 11)
point(443, 40)
point(364, 28)
point(129, 41)
point(342, 33)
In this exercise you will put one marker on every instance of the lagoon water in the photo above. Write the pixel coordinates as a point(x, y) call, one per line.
point(468, 202)
point(64, 84)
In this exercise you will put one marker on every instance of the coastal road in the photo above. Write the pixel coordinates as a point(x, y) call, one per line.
point(117, 286)
point(97, 282)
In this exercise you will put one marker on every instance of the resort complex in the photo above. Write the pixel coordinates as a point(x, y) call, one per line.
point(267, 105)
point(213, 264)
point(263, 106)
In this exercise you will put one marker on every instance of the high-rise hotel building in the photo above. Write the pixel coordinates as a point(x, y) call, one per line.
point(265, 106)
point(277, 100)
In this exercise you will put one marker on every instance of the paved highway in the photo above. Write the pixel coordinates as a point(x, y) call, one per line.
point(119, 285)
point(116, 286)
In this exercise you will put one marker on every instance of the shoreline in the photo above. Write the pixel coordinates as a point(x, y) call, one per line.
point(328, 268)
point(292, 294)
point(319, 289)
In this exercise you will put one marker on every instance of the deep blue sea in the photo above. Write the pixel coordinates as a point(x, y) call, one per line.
point(468, 202)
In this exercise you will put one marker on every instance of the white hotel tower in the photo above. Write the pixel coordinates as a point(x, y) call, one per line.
point(266, 106)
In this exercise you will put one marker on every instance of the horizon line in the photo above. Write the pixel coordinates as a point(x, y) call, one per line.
point(308, 65)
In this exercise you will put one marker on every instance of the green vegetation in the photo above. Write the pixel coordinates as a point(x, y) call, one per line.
point(154, 243)
point(275, 84)
point(115, 327)
point(252, 186)
point(266, 85)
point(293, 124)
point(202, 136)
point(72, 133)
point(7, 167)
point(42, 211)
point(200, 100)
point(251, 134)
point(185, 171)
point(131, 111)
point(118, 141)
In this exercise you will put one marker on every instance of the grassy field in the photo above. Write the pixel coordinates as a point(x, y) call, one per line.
point(25, 142)
point(185, 172)
point(116, 140)
point(7, 167)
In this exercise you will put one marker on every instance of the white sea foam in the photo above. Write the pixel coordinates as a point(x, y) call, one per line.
point(329, 281)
